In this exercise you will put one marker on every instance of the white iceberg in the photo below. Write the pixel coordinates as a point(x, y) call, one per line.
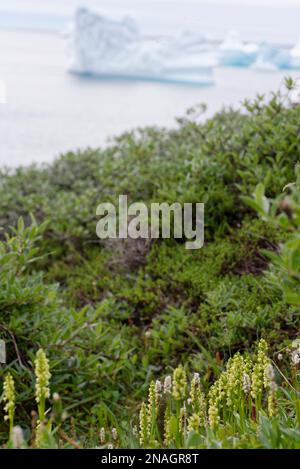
point(262, 65)
point(288, 58)
point(234, 52)
point(116, 49)
point(266, 59)
point(295, 56)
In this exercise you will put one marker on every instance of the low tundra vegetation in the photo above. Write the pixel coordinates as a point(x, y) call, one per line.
point(244, 408)
point(109, 320)
point(252, 404)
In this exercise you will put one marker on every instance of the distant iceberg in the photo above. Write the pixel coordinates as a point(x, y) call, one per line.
point(263, 65)
point(234, 52)
point(107, 48)
point(295, 56)
point(266, 60)
point(288, 59)
point(272, 58)
point(116, 49)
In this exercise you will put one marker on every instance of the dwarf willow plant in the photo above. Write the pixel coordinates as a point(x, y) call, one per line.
point(240, 404)
point(284, 213)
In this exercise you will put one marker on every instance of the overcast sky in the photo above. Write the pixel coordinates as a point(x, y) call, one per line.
point(277, 21)
point(67, 5)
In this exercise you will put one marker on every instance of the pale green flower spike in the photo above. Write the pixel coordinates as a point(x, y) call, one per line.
point(167, 428)
point(43, 375)
point(144, 426)
point(194, 423)
point(152, 401)
point(179, 390)
point(10, 400)
point(213, 415)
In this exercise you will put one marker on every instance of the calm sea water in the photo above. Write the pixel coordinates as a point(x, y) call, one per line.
point(49, 111)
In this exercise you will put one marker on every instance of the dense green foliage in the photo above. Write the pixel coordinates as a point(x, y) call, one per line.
point(113, 315)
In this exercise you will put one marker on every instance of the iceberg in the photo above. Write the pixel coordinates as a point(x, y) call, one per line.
point(263, 65)
point(295, 56)
point(288, 59)
point(272, 58)
point(266, 59)
point(107, 48)
point(282, 59)
point(234, 52)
